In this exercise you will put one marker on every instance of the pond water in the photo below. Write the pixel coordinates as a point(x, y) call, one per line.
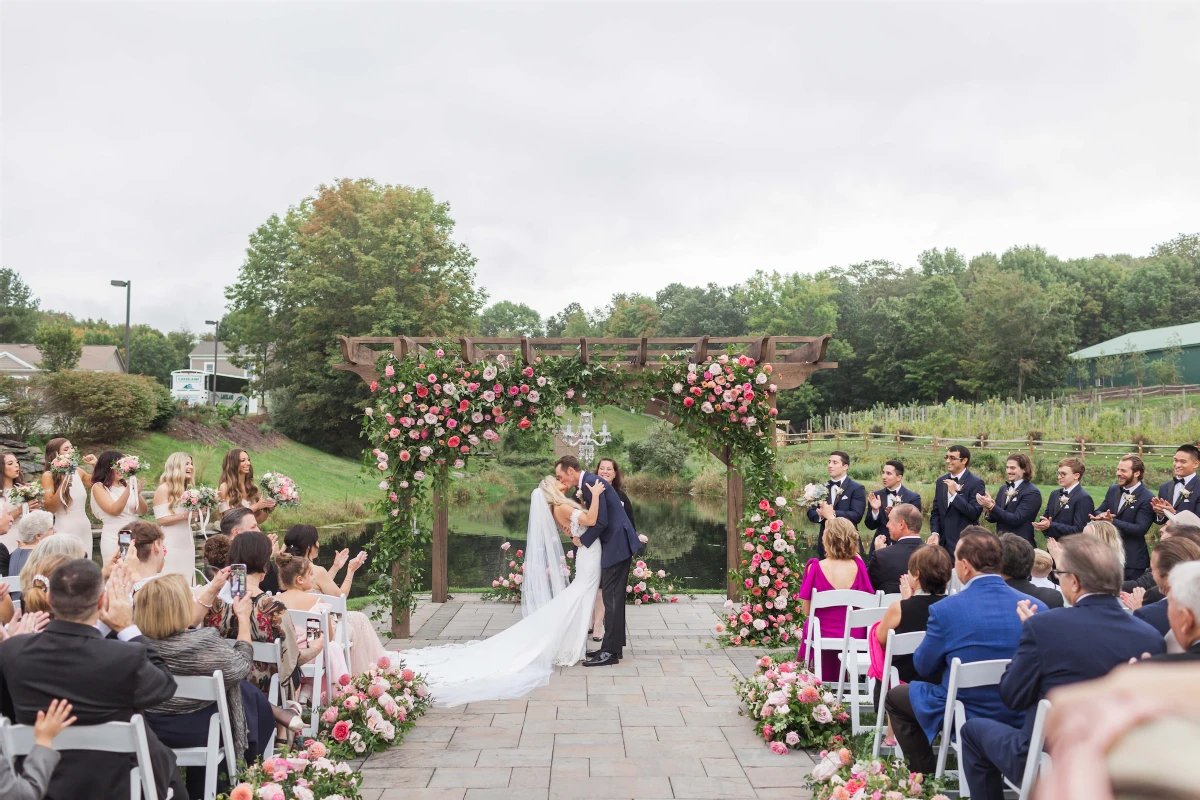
point(687, 538)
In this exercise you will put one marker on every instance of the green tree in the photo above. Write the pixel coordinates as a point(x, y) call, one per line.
point(1107, 368)
point(59, 346)
point(632, 315)
point(184, 342)
point(801, 305)
point(701, 310)
point(510, 319)
point(918, 343)
point(358, 259)
point(18, 309)
point(153, 355)
point(1135, 363)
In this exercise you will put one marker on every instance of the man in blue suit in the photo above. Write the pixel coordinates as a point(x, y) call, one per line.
point(881, 501)
point(954, 503)
point(618, 541)
point(847, 498)
point(1070, 508)
point(1182, 492)
point(1128, 506)
point(1017, 502)
point(979, 623)
point(1057, 647)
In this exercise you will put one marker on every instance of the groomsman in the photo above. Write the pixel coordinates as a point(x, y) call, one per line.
point(881, 501)
point(1017, 502)
point(847, 498)
point(1070, 508)
point(1127, 505)
point(1181, 492)
point(954, 503)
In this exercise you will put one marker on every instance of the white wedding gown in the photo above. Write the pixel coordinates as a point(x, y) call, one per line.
point(516, 661)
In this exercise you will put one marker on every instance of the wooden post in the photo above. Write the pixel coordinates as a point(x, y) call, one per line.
point(401, 627)
point(733, 530)
point(1031, 447)
point(1082, 444)
point(866, 441)
point(838, 434)
point(441, 546)
point(933, 446)
point(810, 437)
point(1139, 448)
point(899, 445)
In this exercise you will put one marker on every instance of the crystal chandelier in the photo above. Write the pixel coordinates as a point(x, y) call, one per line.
point(586, 439)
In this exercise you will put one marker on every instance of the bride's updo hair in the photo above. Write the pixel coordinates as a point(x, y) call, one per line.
point(553, 494)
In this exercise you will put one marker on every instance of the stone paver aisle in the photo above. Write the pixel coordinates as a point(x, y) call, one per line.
point(661, 724)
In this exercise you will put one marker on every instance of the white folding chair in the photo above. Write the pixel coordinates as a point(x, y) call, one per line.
point(319, 670)
point(1037, 760)
point(963, 676)
point(902, 644)
point(219, 747)
point(886, 600)
point(111, 737)
point(337, 605)
point(199, 579)
point(814, 643)
point(271, 653)
point(12, 581)
point(855, 661)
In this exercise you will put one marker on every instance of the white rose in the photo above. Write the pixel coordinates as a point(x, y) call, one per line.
point(430, 418)
point(675, 387)
point(779, 545)
point(828, 767)
point(361, 747)
point(541, 381)
point(761, 378)
point(692, 368)
point(534, 396)
point(780, 603)
point(371, 412)
point(727, 396)
point(822, 714)
point(781, 501)
point(744, 632)
point(489, 395)
point(751, 421)
point(489, 373)
point(706, 407)
point(301, 793)
point(383, 485)
point(764, 580)
point(477, 417)
point(760, 624)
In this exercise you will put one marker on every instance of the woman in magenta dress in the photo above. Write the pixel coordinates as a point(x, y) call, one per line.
point(840, 569)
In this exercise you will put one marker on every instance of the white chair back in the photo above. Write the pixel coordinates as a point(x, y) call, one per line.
point(220, 746)
point(886, 600)
point(854, 663)
point(898, 644)
point(110, 737)
point(1037, 760)
point(271, 653)
point(12, 581)
point(319, 669)
point(814, 643)
point(963, 676)
point(337, 605)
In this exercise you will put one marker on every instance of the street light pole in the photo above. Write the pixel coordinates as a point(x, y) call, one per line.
point(128, 287)
point(216, 339)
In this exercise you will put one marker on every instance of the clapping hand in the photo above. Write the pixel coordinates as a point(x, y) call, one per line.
point(1161, 506)
point(1105, 516)
point(875, 501)
point(907, 589)
point(339, 560)
point(1135, 599)
point(880, 542)
point(117, 610)
point(1053, 548)
point(21, 623)
point(1025, 609)
point(985, 500)
point(1042, 524)
point(50, 723)
point(357, 562)
point(274, 544)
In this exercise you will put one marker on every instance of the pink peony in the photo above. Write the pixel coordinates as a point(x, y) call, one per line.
point(341, 731)
point(407, 675)
point(243, 791)
point(317, 750)
point(384, 662)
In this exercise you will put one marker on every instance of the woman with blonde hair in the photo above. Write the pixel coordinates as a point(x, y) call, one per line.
point(65, 496)
point(1107, 533)
point(238, 488)
point(176, 523)
point(35, 580)
point(840, 569)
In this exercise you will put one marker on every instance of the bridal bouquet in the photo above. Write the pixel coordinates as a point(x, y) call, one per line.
point(791, 707)
point(23, 493)
point(305, 775)
point(281, 489)
point(128, 466)
point(202, 500)
point(814, 493)
point(64, 465)
point(841, 776)
point(507, 587)
point(372, 711)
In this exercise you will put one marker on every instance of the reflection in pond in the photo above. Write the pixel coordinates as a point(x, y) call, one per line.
point(687, 538)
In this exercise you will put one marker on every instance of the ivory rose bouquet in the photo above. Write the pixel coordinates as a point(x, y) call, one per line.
point(791, 707)
point(372, 711)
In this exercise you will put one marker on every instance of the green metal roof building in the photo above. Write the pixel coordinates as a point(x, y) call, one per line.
point(1153, 344)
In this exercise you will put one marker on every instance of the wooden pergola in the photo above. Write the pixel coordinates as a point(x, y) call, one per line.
point(794, 359)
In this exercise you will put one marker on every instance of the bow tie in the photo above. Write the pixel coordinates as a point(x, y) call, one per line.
point(835, 483)
point(1011, 485)
point(1180, 480)
point(1064, 493)
point(894, 492)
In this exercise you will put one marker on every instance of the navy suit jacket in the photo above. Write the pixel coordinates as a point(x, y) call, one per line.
point(1018, 514)
point(1155, 614)
point(618, 539)
point(1072, 518)
point(851, 504)
point(1133, 523)
point(948, 520)
point(1069, 645)
point(889, 563)
point(879, 523)
point(1167, 492)
point(980, 623)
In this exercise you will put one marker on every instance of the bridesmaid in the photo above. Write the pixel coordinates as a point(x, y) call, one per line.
point(177, 476)
point(115, 501)
point(238, 487)
point(10, 477)
point(66, 496)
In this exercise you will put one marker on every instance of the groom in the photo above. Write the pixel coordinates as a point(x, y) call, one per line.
point(618, 541)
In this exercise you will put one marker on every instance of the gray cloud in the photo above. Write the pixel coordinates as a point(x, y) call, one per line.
point(589, 148)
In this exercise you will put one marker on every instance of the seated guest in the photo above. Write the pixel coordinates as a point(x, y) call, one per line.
point(296, 575)
point(977, 624)
point(1039, 573)
point(1164, 558)
point(1016, 556)
point(1107, 533)
point(840, 569)
point(1057, 647)
point(881, 501)
point(1017, 503)
point(106, 680)
point(1183, 610)
point(215, 554)
point(163, 614)
point(35, 580)
point(31, 529)
point(33, 781)
point(1069, 508)
point(923, 585)
point(305, 541)
point(147, 552)
point(1127, 505)
point(890, 561)
point(239, 520)
point(1175, 527)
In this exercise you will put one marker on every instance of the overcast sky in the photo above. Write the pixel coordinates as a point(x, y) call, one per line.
point(589, 148)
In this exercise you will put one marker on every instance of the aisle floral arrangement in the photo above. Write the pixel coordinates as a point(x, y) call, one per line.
point(308, 774)
point(791, 707)
point(281, 489)
point(840, 775)
point(372, 711)
point(507, 586)
point(649, 585)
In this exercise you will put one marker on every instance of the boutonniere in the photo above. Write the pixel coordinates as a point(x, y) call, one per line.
point(1130, 498)
point(1184, 494)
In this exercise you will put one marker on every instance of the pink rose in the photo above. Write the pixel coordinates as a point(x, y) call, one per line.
point(341, 731)
point(330, 715)
point(779, 748)
point(317, 750)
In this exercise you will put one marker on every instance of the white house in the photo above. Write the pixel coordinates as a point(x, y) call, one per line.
point(24, 360)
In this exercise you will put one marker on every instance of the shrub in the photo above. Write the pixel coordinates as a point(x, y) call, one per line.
point(20, 407)
point(100, 406)
point(662, 452)
point(863, 472)
point(906, 434)
point(876, 429)
point(167, 407)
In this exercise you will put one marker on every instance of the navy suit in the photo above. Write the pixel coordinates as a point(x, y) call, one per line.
point(948, 519)
point(1071, 517)
point(1016, 511)
point(1058, 647)
point(1155, 615)
point(879, 523)
point(851, 504)
point(619, 543)
point(889, 563)
point(1133, 523)
point(1192, 503)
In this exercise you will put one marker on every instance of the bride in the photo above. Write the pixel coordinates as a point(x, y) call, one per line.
point(556, 615)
